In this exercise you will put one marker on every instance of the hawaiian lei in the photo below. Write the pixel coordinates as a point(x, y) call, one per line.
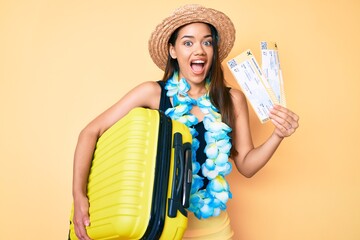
point(210, 201)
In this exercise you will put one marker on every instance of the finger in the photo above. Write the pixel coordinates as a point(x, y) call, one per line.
point(287, 115)
point(280, 127)
point(281, 121)
point(278, 109)
point(80, 229)
point(282, 131)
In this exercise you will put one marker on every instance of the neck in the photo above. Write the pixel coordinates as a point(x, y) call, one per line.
point(197, 89)
point(197, 92)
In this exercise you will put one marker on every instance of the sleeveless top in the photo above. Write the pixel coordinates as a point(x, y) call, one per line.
point(165, 103)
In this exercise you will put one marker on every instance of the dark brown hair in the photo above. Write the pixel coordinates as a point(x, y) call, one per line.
point(219, 93)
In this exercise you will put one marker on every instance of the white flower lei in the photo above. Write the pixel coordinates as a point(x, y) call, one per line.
point(210, 201)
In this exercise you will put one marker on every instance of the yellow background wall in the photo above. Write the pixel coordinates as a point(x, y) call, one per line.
point(63, 62)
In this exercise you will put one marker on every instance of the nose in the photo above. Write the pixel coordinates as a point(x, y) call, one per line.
point(199, 50)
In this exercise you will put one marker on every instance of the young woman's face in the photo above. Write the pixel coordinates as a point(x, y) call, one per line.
point(194, 51)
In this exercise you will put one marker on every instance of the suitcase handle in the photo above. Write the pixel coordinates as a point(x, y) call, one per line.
point(178, 176)
point(179, 161)
point(187, 150)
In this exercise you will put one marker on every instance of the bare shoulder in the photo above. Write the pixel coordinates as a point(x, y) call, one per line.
point(147, 94)
point(237, 96)
point(150, 87)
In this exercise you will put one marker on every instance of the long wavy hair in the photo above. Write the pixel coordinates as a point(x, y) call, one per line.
point(218, 92)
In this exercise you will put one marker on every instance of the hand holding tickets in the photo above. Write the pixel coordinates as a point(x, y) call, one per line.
point(263, 87)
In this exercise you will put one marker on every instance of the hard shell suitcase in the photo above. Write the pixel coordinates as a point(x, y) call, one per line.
point(140, 179)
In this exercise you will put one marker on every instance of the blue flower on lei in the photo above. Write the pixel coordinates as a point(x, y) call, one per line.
point(210, 201)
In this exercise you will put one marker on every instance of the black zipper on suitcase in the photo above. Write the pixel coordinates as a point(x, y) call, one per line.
point(159, 200)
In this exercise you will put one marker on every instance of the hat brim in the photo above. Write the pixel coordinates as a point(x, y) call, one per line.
point(158, 42)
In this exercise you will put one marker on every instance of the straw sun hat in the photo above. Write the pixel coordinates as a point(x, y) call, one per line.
point(158, 42)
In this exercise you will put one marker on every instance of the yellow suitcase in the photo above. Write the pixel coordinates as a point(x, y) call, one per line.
point(140, 179)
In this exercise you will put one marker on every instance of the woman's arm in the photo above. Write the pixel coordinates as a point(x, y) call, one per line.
point(250, 159)
point(144, 95)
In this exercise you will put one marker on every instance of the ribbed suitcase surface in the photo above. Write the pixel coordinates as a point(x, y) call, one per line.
point(123, 183)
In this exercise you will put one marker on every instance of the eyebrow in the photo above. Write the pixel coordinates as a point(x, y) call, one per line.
point(190, 36)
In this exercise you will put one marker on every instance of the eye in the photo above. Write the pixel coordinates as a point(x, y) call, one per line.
point(208, 43)
point(188, 43)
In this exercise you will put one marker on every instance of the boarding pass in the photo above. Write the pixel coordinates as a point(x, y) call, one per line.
point(271, 68)
point(254, 84)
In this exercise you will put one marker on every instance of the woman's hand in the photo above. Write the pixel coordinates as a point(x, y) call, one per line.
point(285, 121)
point(81, 217)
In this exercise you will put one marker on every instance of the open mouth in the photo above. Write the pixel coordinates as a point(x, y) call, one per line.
point(197, 66)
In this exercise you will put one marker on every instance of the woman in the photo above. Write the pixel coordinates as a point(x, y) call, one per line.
point(189, 46)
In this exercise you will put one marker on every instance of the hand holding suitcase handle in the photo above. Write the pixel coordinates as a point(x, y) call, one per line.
point(181, 177)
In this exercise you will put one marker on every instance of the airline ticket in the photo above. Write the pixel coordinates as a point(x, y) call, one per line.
point(271, 68)
point(253, 83)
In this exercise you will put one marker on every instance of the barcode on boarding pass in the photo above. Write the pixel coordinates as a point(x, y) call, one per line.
point(232, 63)
point(263, 45)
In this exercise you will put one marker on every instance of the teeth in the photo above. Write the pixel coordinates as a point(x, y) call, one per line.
point(198, 61)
